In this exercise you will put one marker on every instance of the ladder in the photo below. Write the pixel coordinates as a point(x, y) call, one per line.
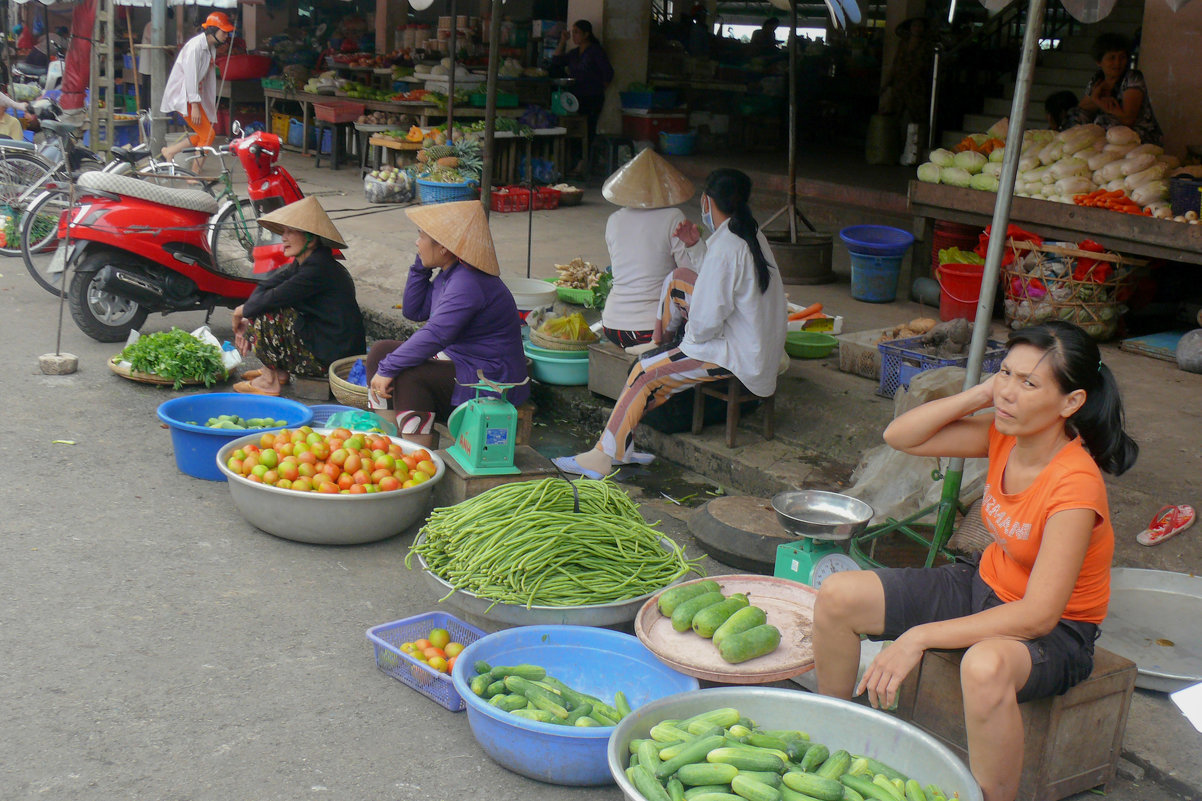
point(100, 78)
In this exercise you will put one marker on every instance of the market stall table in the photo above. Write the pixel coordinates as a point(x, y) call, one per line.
point(403, 153)
point(1118, 232)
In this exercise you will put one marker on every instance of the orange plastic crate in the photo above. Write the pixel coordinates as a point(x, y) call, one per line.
point(338, 111)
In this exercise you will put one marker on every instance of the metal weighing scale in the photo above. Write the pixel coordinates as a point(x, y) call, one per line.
point(485, 431)
point(821, 521)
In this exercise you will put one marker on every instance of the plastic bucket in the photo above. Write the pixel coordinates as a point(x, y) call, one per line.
point(959, 290)
point(806, 261)
point(952, 234)
point(874, 278)
point(876, 240)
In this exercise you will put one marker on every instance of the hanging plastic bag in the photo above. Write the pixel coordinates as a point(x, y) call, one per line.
point(360, 421)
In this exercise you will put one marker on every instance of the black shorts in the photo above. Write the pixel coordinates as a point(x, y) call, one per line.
point(913, 596)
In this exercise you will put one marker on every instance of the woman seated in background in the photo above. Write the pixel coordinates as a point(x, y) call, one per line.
point(1029, 612)
point(643, 247)
point(303, 316)
point(735, 326)
point(470, 319)
point(1059, 107)
point(1117, 94)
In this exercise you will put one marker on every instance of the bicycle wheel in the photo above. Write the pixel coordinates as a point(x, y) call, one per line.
point(20, 175)
point(39, 237)
point(232, 235)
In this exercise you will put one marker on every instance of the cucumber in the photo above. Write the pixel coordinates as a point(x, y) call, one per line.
point(725, 716)
point(567, 692)
point(586, 721)
point(532, 672)
point(540, 715)
point(787, 794)
point(746, 759)
point(706, 789)
point(816, 786)
point(889, 786)
point(621, 703)
point(867, 788)
point(876, 766)
point(707, 621)
point(914, 791)
point(768, 777)
point(738, 730)
point(673, 597)
point(494, 689)
point(479, 685)
point(508, 703)
point(536, 695)
point(796, 749)
point(695, 751)
point(851, 795)
point(702, 729)
point(648, 755)
point(716, 797)
point(668, 732)
point(634, 762)
point(701, 773)
point(814, 757)
point(578, 712)
point(836, 765)
point(785, 734)
point(646, 784)
point(761, 740)
point(750, 644)
point(482, 667)
point(753, 789)
point(682, 618)
point(859, 767)
point(743, 619)
point(675, 789)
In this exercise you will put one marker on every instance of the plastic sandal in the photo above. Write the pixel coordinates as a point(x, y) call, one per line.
point(248, 388)
point(636, 457)
point(1168, 523)
point(569, 465)
point(249, 374)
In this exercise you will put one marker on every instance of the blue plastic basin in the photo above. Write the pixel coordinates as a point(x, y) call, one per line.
point(196, 446)
point(876, 240)
point(594, 661)
point(563, 368)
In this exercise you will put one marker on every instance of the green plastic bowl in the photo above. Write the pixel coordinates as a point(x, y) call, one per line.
point(809, 344)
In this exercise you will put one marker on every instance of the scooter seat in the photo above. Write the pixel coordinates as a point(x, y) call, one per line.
point(190, 199)
point(59, 127)
point(130, 155)
point(16, 144)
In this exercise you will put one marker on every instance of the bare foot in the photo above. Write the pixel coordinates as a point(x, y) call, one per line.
point(596, 460)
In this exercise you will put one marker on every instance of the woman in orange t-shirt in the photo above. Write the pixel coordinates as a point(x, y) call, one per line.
point(1029, 613)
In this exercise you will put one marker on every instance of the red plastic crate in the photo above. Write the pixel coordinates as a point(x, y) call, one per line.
point(647, 127)
point(338, 111)
point(546, 198)
point(507, 199)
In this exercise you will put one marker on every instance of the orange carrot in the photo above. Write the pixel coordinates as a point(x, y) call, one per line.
point(808, 311)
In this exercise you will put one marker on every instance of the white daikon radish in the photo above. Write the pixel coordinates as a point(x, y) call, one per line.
point(1134, 164)
point(1099, 160)
point(1066, 168)
point(1028, 163)
point(1076, 185)
point(1121, 135)
point(1111, 171)
point(1051, 153)
point(1137, 179)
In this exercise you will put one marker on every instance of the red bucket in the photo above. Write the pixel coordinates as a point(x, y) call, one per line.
point(952, 234)
point(959, 290)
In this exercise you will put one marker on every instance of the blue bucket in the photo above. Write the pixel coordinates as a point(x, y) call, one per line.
point(876, 240)
point(196, 446)
point(590, 660)
point(874, 278)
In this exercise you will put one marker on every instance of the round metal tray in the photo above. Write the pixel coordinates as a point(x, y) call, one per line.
point(789, 606)
point(610, 614)
point(1155, 620)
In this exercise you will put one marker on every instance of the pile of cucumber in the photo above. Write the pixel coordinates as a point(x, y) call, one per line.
point(233, 421)
point(721, 756)
point(738, 629)
point(526, 691)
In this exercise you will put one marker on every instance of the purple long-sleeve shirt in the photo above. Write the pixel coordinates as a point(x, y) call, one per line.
point(590, 67)
point(470, 316)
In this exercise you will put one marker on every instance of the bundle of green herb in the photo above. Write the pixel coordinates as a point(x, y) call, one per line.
point(176, 355)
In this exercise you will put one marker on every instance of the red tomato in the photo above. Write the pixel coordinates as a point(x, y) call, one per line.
point(267, 440)
point(341, 433)
point(289, 471)
point(389, 483)
point(427, 467)
point(352, 462)
point(283, 483)
point(401, 474)
point(254, 478)
point(284, 448)
point(434, 651)
point(334, 442)
point(332, 470)
point(451, 663)
point(376, 475)
point(361, 477)
point(306, 470)
point(303, 484)
point(406, 484)
point(421, 644)
point(249, 463)
point(307, 457)
point(345, 481)
point(321, 450)
point(379, 444)
point(270, 477)
point(329, 488)
point(353, 443)
point(421, 455)
point(358, 489)
point(235, 465)
point(384, 461)
point(395, 451)
point(410, 462)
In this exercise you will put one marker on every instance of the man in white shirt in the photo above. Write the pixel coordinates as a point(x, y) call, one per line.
point(643, 248)
point(192, 86)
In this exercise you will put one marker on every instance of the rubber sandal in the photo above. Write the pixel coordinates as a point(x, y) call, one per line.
point(636, 457)
point(247, 388)
point(569, 465)
point(1168, 523)
point(249, 374)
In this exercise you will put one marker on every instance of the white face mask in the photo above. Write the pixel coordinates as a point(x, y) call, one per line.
point(707, 217)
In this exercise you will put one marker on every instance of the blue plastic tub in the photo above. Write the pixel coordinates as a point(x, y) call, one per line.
point(595, 661)
point(323, 412)
point(565, 368)
point(876, 240)
point(677, 144)
point(196, 446)
point(874, 278)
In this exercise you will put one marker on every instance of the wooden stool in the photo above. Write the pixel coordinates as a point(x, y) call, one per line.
point(1072, 742)
point(734, 393)
point(525, 423)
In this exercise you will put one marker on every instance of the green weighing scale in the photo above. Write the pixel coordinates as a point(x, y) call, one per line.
point(485, 431)
point(821, 521)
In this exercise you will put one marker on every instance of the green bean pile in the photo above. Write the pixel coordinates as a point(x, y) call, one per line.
point(523, 543)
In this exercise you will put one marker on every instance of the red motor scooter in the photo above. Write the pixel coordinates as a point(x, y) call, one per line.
point(138, 247)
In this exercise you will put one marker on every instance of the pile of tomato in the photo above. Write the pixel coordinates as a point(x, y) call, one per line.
point(436, 649)
point(341, 461)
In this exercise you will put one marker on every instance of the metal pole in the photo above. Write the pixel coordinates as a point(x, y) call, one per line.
point(934, 98)
point(451, 79)
point(490, 104)
point(997, 240)
point(792, 123)
point(158, 73)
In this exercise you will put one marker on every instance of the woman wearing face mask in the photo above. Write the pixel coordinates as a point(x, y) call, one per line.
point(735, 326)
point(1029, 613)
point(471, 325)
point(304, 316)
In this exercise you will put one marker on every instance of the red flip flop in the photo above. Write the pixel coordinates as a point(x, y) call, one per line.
point(1168, 523)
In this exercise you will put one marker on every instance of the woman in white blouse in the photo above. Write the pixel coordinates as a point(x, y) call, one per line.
point(736, 324)
point(643, 248)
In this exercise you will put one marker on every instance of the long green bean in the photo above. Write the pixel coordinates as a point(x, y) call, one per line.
point(522, 543)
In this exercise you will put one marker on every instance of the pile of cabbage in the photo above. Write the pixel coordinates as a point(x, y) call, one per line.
point(1058, 166)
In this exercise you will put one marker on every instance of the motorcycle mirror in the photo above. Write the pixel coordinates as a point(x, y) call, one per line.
point(236, 129)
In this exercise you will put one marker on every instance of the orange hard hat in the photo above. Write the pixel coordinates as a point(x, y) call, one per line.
point(218, 19)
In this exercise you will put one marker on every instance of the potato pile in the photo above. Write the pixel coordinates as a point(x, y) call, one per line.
point(385, 118)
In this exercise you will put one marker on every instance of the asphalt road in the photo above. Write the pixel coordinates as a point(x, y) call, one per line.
point(153, 645)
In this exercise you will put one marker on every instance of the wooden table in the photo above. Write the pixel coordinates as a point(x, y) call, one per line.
point(1121, 233)
point(397, 148)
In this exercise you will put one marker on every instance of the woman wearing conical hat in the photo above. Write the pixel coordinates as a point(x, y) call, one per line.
point(470, 319)
point(643, 246)
point(303, 316)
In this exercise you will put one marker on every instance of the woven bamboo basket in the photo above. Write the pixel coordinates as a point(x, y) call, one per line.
point(346, 392)
point(1056, 282)
point(551, 343)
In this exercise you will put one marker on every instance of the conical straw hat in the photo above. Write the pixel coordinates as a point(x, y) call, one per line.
point(303, 215)
point(461, 228)
point(647, 182)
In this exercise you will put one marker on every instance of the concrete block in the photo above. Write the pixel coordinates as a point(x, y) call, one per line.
point(58, 363)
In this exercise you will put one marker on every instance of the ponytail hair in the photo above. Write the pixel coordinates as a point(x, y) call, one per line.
point(586, 28)
point(1077, 364)
point(730, 191)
